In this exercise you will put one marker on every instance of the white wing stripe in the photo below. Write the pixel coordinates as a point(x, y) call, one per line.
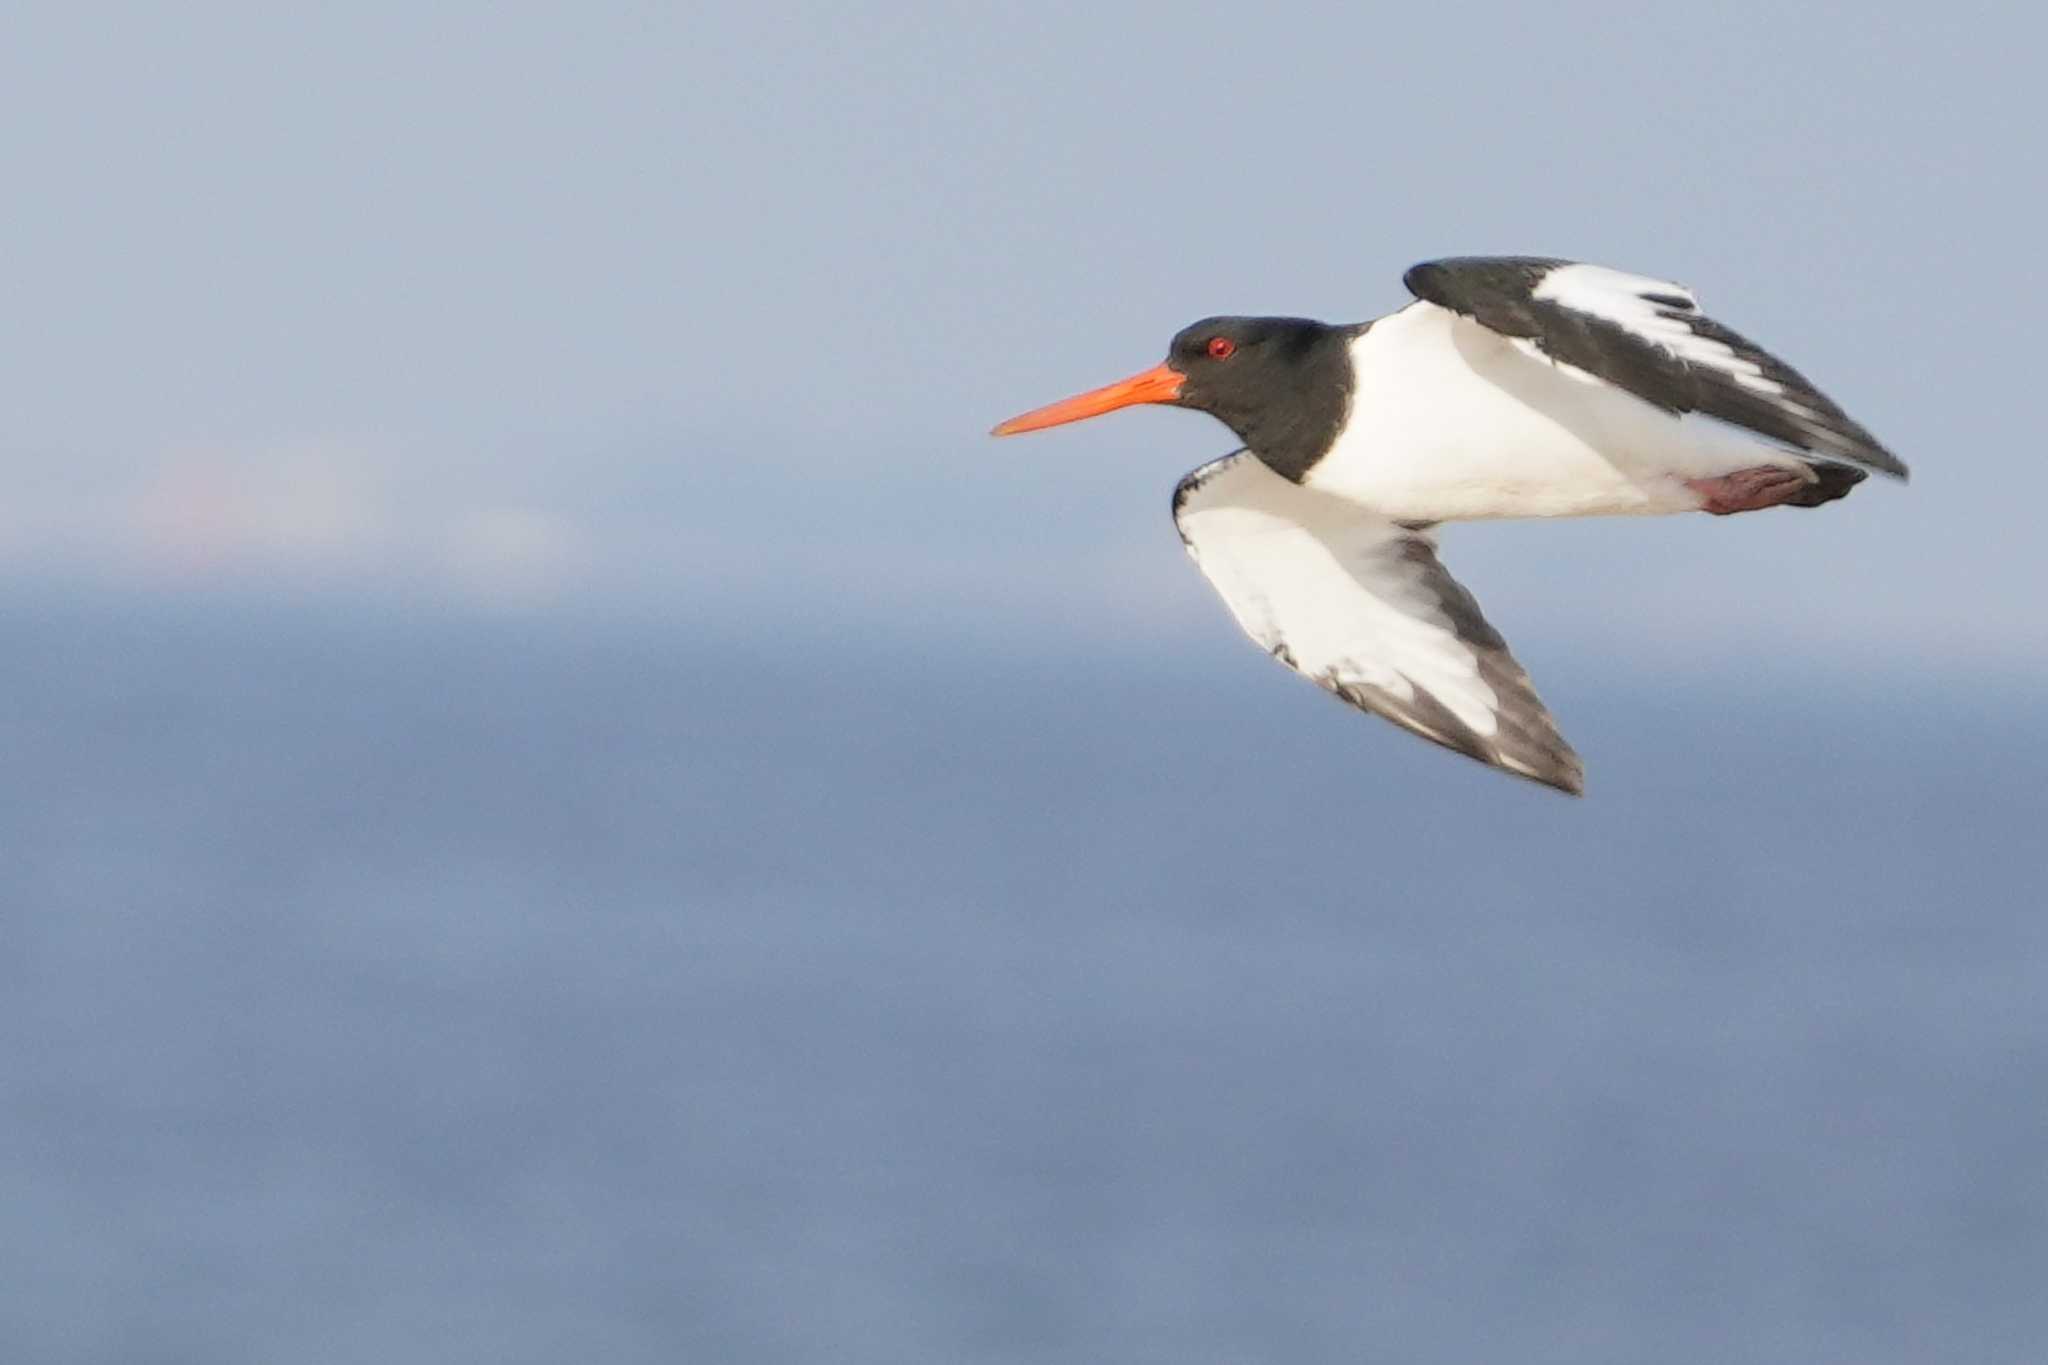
point(1631, 302)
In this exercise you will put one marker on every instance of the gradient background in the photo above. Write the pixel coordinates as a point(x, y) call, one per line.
point(563, 802)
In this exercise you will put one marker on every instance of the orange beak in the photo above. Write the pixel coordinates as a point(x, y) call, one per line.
point(1156, 385)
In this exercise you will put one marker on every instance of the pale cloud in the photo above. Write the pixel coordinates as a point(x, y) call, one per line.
point(313, 508)
point(314, 513)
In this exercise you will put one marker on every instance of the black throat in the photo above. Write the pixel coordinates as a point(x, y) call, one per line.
point(1286, 391)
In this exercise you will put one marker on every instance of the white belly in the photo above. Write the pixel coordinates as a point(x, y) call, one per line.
point(1452, 422)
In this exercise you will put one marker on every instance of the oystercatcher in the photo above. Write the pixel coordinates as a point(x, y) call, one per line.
point(1514, 386)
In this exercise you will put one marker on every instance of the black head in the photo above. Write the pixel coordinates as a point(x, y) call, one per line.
point(1282, 384)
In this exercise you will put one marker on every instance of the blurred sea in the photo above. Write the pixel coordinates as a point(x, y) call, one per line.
point(437, 988)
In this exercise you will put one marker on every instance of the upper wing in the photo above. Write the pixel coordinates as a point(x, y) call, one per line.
point(1360, 605)
point(1648, 337)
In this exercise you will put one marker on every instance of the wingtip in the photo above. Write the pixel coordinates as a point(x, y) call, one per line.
point(1570, 781)
point(1559, 768)
point(1881, 461)
point(1537, 753)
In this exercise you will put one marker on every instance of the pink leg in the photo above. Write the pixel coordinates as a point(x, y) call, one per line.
point(1749, 490)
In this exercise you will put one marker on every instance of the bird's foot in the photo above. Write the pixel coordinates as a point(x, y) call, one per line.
point(1749, 490)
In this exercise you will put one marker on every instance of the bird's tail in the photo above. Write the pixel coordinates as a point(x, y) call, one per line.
point(1831, 481)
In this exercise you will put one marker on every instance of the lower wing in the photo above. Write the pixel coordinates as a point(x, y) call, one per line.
point(1360, 605)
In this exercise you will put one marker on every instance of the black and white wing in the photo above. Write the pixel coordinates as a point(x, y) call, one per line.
point(1360, 605)
point(1648, 337)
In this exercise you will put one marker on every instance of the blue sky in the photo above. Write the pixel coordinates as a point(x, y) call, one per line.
point(710, 307)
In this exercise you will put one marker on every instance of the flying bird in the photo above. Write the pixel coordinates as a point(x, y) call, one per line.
point(1514, 386)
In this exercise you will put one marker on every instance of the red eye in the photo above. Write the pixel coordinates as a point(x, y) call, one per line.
point(1221, 348)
